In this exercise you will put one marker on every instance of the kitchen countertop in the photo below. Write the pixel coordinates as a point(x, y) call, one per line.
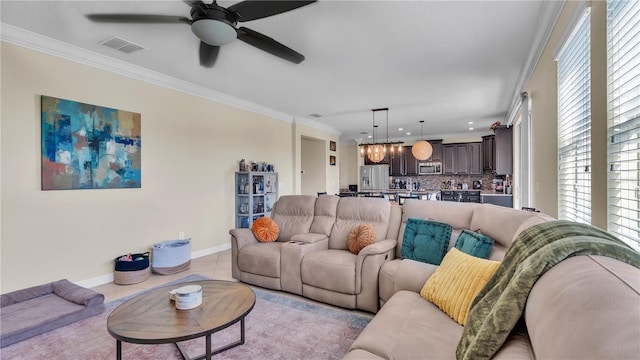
point(427, 191)
point(459, 190)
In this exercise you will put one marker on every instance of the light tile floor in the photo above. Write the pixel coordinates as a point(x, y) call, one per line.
point(216, 266)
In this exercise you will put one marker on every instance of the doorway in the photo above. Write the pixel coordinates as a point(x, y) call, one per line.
point(313, 168)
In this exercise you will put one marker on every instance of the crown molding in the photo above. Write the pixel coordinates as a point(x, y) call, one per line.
point(316, 125)
point(37, 42)
point(550, 13)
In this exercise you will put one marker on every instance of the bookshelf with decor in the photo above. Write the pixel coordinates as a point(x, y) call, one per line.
point(256, 192)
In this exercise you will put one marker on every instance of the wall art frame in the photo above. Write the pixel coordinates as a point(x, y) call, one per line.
point(86, 146)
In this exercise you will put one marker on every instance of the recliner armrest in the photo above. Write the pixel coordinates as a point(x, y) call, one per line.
point(379, 247)
point(310, 238)
point(243, 237)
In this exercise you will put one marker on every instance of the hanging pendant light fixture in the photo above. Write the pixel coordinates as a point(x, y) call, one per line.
point(422, 150)
point(377, 151)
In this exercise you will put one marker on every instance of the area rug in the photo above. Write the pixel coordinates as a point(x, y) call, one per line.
point(279, 327)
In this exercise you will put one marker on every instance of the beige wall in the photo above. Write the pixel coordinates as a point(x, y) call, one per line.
point(313, 172)
point(302, 130)
point(542, 89)
point(349, 165)
point(191, 148)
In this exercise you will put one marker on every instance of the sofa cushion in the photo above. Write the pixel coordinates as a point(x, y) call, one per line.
point(293, 214)
point(503, 224)
point(458, 215)
point(456, 282)
point(361, 236)
point(353, 211)
point(333, 270)
point(408, 327)
point(265, 229)
point(325, 214)
point(260, 258)
point(473, 243)
point(425, 240)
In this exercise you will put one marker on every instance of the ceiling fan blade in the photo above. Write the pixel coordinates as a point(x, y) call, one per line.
point(193, 3)
point(269, 45)
point(139, 18)
point(208, 54)
point(253, 10)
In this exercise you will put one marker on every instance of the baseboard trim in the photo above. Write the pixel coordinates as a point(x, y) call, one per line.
point(107, 278)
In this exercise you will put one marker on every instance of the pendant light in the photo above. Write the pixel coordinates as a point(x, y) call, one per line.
point(377, 151)
point(422, 150)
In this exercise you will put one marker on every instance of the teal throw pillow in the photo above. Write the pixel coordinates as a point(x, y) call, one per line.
point(425, 240)
point(474, 244)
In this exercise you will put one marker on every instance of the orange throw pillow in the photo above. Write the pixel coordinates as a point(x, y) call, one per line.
point(361, 236)
point(265, 229)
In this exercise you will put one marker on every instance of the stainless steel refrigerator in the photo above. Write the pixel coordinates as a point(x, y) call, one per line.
point(374, 178)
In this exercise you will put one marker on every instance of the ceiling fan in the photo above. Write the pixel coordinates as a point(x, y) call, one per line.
point(215, 25)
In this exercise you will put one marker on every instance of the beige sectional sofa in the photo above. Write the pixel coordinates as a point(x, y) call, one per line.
point(584, 307)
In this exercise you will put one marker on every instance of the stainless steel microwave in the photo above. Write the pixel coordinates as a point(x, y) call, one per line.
point(429, 168)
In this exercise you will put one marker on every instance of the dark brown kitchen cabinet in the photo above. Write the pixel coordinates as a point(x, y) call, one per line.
point(410, 162)
point(488, 153)
point(460, 195)
point(404, 163)
point(436, 155)
point(448, 195)
point(504, 150)
point(461, 162)
point(464, 158)
point(448, 159)
point(475, 158)
point(397, 167)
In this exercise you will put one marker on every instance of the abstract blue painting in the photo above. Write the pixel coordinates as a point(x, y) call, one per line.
point(88, 146)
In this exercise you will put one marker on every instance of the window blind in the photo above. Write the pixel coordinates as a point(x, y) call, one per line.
point(574, 124)
point(623, 73)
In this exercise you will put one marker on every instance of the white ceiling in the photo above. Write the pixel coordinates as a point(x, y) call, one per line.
point(445, 62)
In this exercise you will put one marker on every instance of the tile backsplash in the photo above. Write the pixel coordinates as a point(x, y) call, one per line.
point(435, 182)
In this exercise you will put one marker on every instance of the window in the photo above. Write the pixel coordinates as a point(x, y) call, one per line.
point(623, 73)
point(574, 124)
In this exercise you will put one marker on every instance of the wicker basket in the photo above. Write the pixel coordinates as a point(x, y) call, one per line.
point(131, 277)
point(172, 256)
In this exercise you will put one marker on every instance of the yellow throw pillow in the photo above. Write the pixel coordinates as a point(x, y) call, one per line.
point(456, 282)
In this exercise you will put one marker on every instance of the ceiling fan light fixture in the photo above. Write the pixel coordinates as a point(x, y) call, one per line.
point(214, 32)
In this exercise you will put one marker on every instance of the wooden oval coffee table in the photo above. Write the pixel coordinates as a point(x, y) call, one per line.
point(151, 318)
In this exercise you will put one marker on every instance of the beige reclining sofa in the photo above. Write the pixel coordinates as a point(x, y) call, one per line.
point(311, 255)
point(585, 307)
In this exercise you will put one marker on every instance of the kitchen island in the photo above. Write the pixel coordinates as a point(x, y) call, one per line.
point(497, 199)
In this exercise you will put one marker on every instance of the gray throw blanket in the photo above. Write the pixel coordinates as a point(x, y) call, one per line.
point(500, 304)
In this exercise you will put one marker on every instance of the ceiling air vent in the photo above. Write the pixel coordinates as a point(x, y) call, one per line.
point(121, 44)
